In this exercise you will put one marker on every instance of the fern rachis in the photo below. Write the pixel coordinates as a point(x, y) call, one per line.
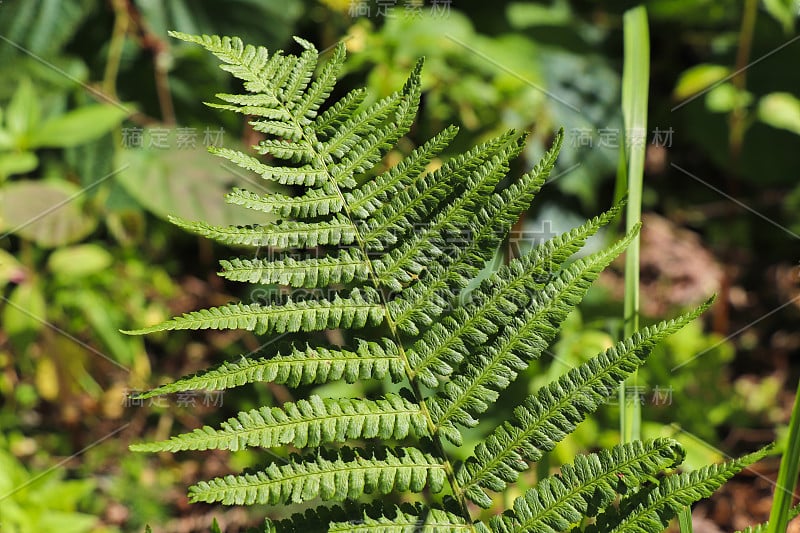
point(398, 250)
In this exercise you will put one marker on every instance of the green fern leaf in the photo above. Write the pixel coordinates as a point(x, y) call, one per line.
point(495, 366)
point(305, 423)
point(650, 510)
point(251, 64)
point(373, 194)
point(302, 175)
point(329, 122)
point(421, 304)
point(347, 476)
point(502, 296)
point(483, 166)
point(314, 203)
point(374, 517)
point(404, 519)
point(299, 151)
point(400, 248)
point(286, 234)
point(544, 419)
point(354, 312)
point(371, 360)
point(306, 109)
point(587, 486)
point(345, 267)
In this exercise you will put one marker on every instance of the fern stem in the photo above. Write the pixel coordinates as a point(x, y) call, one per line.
point(455, 487)
point(458, 492)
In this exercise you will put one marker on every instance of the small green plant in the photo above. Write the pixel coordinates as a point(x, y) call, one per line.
point(395, 253)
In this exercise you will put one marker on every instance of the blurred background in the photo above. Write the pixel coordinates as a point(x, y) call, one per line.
point(103, 132)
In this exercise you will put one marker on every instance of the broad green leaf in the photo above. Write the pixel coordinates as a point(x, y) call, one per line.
point(25, 310)
point(780, 110)
point(79, 126)
point(726, 97)
point(47, 213)
point(79, 261)
point(23, 112)
point(10, 268)
point(784, 11)
point(187, 183)
point(698, 78)
point(17, 163)
point(527, 14)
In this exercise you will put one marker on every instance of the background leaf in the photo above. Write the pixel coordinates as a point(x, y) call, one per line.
point(47, 213)
point(190, 184)
point(79, 126)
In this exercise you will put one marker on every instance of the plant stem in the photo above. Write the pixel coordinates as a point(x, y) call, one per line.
point(787, 475)
point(635, 84)
point(737, 120)
point(455, 487)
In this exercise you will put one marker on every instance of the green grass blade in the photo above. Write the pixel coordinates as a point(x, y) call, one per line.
point(635, 84)
point(787, 475)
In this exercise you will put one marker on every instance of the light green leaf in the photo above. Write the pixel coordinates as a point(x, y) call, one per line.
point(47, 213)
point(23, 112)
point(726, 97)
point(10, 268)
point(780, 110)
point(17, 163)
point(79, 126)
point(698, 78)
point(784, 11)
point(79, 261)
point(25, 310)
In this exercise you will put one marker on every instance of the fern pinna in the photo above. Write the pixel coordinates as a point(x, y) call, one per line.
point(395, 250)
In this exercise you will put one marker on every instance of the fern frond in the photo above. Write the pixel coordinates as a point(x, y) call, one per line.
point(588, 486)
point(650, 510)
point(291, 90)
point(421, 304)
point(347, 476)
point(314, 203)
point(350, 132)
point(499, 298)
point(251, 64)
point(402, 250)
point(302, 175)
point(374, 517)
point(356, 311)
point(305, 423)
point(483, 167)
point(415, 203)
point(495, 366)
point(346, 266)
point(373, 194)
point(371, 360)
point(306, 109)
point(257, 105)
point(299, 151)
point(545, 418)
point(405, 519)
point(278, 128)
point(284, 234)
point(327, 123)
